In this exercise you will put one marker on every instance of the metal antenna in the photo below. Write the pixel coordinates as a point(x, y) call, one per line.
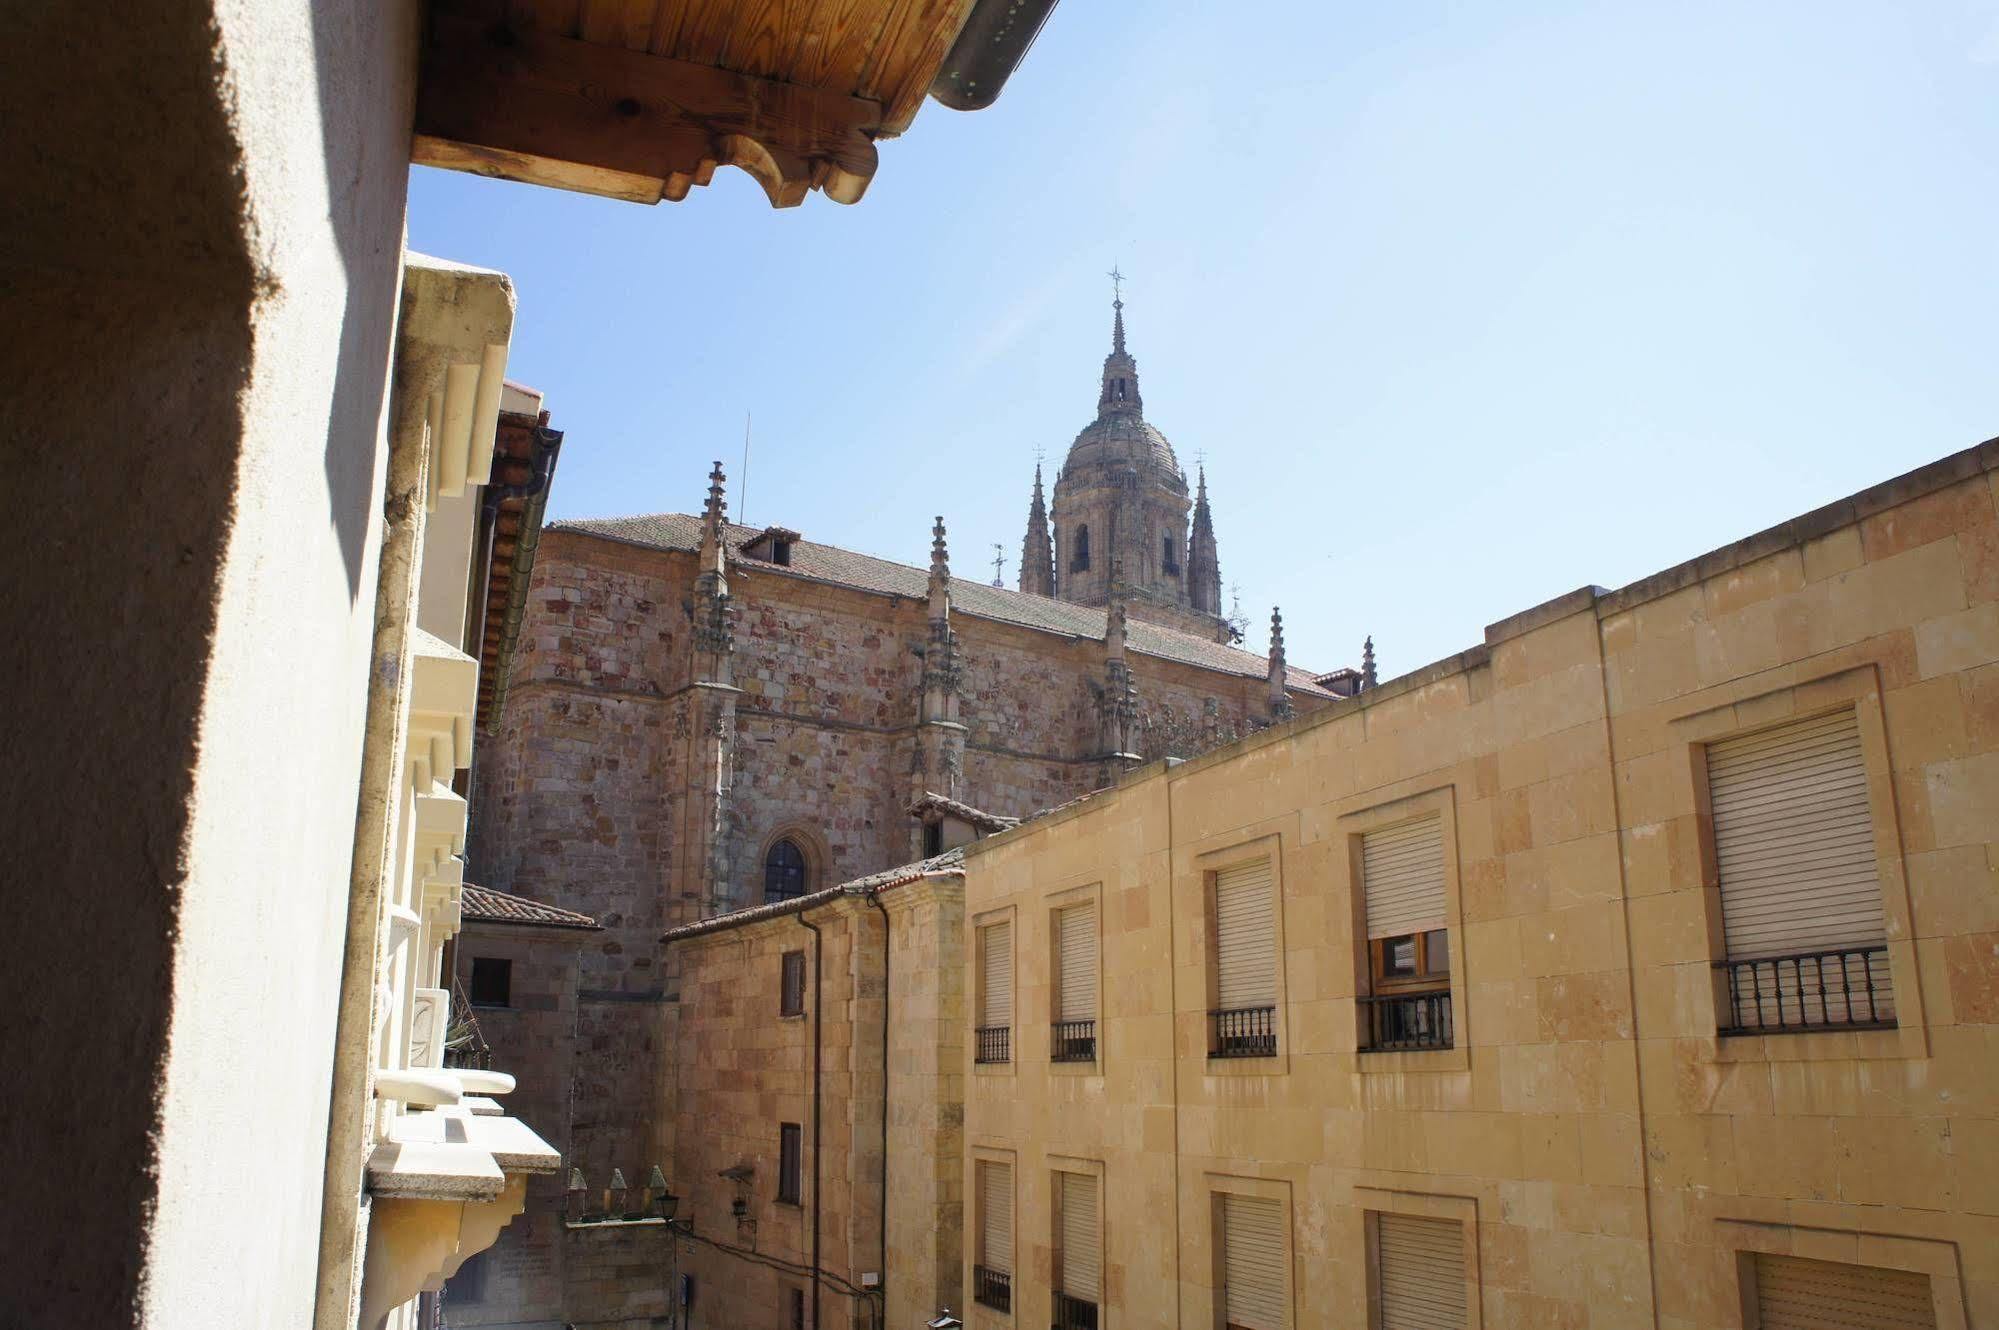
point(743, 481)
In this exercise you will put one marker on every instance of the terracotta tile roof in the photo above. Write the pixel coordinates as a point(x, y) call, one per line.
point(487, 906)
point(864, 572)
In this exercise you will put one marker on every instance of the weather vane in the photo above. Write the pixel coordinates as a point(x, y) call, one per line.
point(1117, 284)
point(999, 565)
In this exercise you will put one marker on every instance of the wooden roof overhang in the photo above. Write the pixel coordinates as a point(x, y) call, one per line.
point(643, 99)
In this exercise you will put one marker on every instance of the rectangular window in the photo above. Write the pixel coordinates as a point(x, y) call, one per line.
point(789, 1142)
point(1078, 1256)
point(1074, 1036)
point(1800, 890)
point(1793, 1293)
point(492, 981)
point(1419, 1272)
point(994, 1041)
point(791, 986)
point(798, 1309)
point(1254, 1286)
point(1243, 1022)
point(992, 1272)
point(1408, 947)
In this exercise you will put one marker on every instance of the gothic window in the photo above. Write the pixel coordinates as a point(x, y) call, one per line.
point(784, 871)
point(1080, 562)
point(1167, 555)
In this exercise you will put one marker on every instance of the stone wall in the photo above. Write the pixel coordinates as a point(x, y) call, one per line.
point(1614, 1158)
point(534, 1038)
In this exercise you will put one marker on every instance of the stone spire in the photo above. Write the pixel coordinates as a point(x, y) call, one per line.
point(940, 575)
point(1204, 565)
point(1037, 552)
point(1280, 697)
point(1367, 679)
point(1119, 396)
point(715, 525)
point(714, 615)
point(940, 755)
point(1118, 704)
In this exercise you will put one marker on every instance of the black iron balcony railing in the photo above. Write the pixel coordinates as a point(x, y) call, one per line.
point(992, 1288)
point(1243, 1032)
point(1846, 989)
point(1074, 1313)
point(1073, 1041)
point(1403, 1022)
point(992, 1043)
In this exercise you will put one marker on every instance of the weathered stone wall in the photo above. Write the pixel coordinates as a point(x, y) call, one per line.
point(534, 1038)
point(1613, 1155)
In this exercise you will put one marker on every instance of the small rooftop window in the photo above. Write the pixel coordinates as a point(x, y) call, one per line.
point(771, 545)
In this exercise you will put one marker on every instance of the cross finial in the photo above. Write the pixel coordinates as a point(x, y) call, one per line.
point(1117, 285)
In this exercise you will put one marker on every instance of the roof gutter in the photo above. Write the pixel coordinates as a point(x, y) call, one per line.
point(991, 45)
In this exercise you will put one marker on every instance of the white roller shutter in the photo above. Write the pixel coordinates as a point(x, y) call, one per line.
point(1795, 839)
point(1402, 872)
point(1254, 1289)
point(996, 1216)
point(1076, 996)
point(1246, 938)
point(1082, 1262)
point(996, 974)
point(1793, 1293)
point(1421, 1275)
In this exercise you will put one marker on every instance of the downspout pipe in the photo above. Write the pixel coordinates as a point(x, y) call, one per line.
point(818, 999)
point(888, 995)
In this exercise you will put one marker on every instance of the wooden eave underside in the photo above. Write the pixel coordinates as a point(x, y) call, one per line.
point(643, 99)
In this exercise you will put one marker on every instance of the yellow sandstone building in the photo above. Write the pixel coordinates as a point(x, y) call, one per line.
point(1635, 967)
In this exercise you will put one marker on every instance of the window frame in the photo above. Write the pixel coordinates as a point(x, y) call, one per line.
point(1377, 1201)
point(791, 984)
point(1055, 902)
point(803, 868)
point(1740, 707)
point(1211, 864)
point(976, 1007)
point(472, 986)
point(1220, 1185)
point(1371, 812)
point(790, 1163)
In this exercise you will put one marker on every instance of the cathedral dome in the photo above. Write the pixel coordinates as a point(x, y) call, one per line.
point(1121, 439)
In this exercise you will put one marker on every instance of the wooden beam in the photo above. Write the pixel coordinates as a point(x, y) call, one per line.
point(506, 101)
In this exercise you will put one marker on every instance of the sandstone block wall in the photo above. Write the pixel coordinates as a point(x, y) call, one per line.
point(1614, 1156)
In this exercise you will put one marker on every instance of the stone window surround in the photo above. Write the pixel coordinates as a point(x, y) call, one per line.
point(1935, 1257)
point(1054, 901)
point(1271, 1189)
point(1209, 864)
point(787, 994)
point(810, 844)
point(1372, 814)
point(1090, 1168)
point(1792, 692)
point(1426, 1205)
point(975, 1221)
point(975, 1009)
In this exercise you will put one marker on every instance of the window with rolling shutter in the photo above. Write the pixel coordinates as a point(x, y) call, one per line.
point(995, 1029)
point(1402, 873)
point(1420, 1272)
point(1244, 1022)
point(1800, 889)
point(1793, 1293)
point(1073, 1033)
point(1082, 1260)
point(996, 1216)
point(1254, 1289)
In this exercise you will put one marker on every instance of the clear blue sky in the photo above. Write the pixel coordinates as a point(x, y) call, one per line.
point(1467, 304)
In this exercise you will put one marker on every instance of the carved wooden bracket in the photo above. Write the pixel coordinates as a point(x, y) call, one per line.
point(501, 100)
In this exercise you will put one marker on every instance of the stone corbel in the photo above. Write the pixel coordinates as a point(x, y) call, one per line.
point(414, 1244)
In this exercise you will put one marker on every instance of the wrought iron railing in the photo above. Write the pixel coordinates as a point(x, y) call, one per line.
point(1849, 988)
point(464, 1042)
point(1074, 1313)
point(1073, 1041)
point(1401, 1022)
point(1243, 1032)
point(992, 1043)
point(992, 1288)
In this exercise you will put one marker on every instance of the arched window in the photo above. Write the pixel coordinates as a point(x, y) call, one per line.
point(784, 871)
point(1080, 562)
